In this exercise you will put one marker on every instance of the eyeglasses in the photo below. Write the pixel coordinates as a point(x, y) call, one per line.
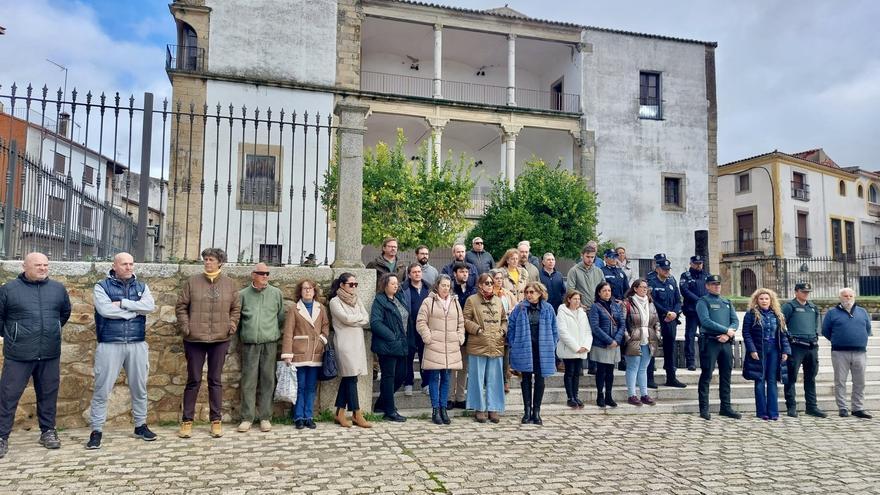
point(351, 284)
point(264, 274)
point(478, 242)
point(488, 282)
point(530, 292)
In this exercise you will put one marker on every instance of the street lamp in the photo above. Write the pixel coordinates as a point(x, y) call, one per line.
point(765, 234)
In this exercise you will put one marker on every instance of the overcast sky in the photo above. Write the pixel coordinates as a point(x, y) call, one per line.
point(792, 74)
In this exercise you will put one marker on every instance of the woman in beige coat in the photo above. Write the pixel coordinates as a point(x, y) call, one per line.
point(440, 323)
point(517, 276)
point(306, 329)
point(349, 319)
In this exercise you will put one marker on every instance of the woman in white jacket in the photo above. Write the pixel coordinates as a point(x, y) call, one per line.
point(575, 340)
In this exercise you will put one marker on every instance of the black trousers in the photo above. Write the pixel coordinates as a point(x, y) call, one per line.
point(809, 358)
point(691, 326)
point(409, 377)
point(347, 395)
point(711, 352)
point(46, 375)
point(393, 370)
point(668, 331)
point(572, 377)
point(604, 378)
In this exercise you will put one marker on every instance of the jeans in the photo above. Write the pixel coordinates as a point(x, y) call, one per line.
point(347, 395)
point(306, 386)
point(766, 396)
point(257, 373)
point(196, 353)
point(438, 386)
point(637, 371)
point(485, 385)
point(393, 369)
point(109, 359)
point(572, 378)
point(46, 375)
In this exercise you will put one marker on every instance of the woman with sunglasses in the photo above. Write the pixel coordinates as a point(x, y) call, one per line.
point(608, 324)
point(532, 337)
point(349, 319)
point(388, 318)
point(486, 324)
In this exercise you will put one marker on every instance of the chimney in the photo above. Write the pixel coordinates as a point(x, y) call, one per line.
point(64, 125)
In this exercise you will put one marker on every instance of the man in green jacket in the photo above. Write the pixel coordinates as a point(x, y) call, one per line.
point(262, 317)
point(802, 320)
point(585, 276)
point(718, 324)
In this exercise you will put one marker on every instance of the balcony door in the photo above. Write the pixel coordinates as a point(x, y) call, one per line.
point(745, 232)
point(803, 239)
point(556, 95)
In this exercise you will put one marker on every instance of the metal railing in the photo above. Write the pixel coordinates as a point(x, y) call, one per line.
point(746, 244)
point(873, 209)
point(800, 191)
point(651, 108)
point(804, 247)
point(466, 92)
point(187, 58)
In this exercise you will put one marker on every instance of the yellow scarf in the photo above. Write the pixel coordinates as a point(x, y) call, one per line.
point(514, 275)
point(212, 275)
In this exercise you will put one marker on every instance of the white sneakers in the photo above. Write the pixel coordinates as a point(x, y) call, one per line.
point(265, 425)
point(244, 426)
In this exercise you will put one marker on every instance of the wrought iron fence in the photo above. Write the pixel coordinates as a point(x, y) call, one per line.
point(827, 275)
point(245, 180)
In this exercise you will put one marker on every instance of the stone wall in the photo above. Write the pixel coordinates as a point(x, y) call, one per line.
point(167, 364)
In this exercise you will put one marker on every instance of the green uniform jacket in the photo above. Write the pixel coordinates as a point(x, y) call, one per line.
point(717, 315)
point(802, 320)
point(262, 315)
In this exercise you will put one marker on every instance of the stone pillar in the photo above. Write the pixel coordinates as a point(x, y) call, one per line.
point(438, 60)
point(351, 114)
point(511, 70)
point(437, 126)
point(509, 137)
point(586, 142)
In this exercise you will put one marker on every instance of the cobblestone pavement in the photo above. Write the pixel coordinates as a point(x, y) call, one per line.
point(660, 453)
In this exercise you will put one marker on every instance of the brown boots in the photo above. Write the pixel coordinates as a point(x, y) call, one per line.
point(340, 418)
point(358, 418)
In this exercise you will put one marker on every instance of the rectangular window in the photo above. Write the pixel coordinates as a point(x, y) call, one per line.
point(88, 175)
point(673, 192)
point(650, 96)
point(86, 217)
point(56, 209)
point(270, 254)
point(743, 183)
point(836, 238)
point(799, 188)
point(260, 180)
point(59, 166)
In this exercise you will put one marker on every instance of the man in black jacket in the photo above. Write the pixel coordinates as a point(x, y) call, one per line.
point(32, 311)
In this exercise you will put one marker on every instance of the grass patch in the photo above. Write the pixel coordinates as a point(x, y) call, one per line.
point(441, 487)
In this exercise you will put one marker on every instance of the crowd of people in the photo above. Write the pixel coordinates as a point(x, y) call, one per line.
point(472, 324)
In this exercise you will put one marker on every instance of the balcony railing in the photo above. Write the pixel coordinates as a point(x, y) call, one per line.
point(745, 245)
point(479, 203)
point(651, 108)
point(873, 209)
point(800, 191)
point(484, 94)
point(188, 58)
point(804, 247)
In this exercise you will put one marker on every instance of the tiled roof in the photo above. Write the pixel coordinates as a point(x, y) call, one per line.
point(508, 13)
point(811, 156)
point(816, 156)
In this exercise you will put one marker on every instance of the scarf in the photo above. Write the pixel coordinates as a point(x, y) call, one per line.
point(212, 275)
point(347, 298)
point(641, 305)
point(514, 275)
point(445, 302)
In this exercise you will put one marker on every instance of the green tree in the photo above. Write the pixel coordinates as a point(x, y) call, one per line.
point(418, 202)
point(550, 207)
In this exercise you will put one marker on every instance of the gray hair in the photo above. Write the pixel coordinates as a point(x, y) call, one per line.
point(441, 278)
point(548, 253)
point(844, 290)
point(524, 243)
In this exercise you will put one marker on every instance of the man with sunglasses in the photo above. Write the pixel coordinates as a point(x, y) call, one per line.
point(479, 257)
point(262, 317)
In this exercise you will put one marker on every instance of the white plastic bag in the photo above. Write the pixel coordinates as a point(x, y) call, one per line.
point(285, 382)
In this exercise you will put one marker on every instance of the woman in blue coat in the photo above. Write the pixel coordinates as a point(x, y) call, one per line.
point(388, 318)
point(608, 323)
point(767, 349)
point(532, 335)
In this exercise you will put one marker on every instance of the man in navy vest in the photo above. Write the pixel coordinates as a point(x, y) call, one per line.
point(693, 286)
point(121, 305)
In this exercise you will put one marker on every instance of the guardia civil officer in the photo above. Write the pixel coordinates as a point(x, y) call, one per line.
point(667, 300)
point(693, 287)
point(802, 319)
point(718, 324)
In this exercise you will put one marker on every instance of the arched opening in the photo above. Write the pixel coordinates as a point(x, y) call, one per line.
point(748, 282)
point(872, 194)
point(188, 52)
point(861, 191)
point(841, 186)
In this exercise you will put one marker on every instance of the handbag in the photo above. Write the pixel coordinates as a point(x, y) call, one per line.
point(285, 382)
point(329, 369)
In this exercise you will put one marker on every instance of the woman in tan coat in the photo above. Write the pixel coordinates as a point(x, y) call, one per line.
point(640, 340)
point(517, 276)
point(349, 320)
point(486, 324)
point(440, 323)
point(306, 329)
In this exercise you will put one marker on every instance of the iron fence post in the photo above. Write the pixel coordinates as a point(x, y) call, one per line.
point(140, 248)
point(9, 213)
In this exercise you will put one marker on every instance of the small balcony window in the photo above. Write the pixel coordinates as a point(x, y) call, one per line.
point(650, 100)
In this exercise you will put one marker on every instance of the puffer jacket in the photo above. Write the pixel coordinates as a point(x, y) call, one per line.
point(208, 311)
point(442, 332)
point(305, 335)
point(519, 336)
point(632, 338)
point(31, 316)
point(485, 321)
point(388, 325)
point(574, 333)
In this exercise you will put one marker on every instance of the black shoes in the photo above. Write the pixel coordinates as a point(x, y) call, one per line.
point(817, 413)
point(792, 412)
point(691, 367)
point(395, 417)
point(673, 382)
point(730, 413)
point(444, 416)
point(705, 415)
point(435, 416)
point(144, 433)
point(299, 424)
point(843, 413)
point(536, 416)
point(310, 424)
point(862, 414)
point(50, 440)
point(527, 415)
point(450, 404)
point(600, 401)
point(94, 440)
point(652, 384)
point(460, 404)
point(610, 402)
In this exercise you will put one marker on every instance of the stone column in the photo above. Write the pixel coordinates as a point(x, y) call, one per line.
point(586, 142)
point(438, 60)
point(511, 70)
point(437, 126)
point(509, 137)
point(351, 114)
